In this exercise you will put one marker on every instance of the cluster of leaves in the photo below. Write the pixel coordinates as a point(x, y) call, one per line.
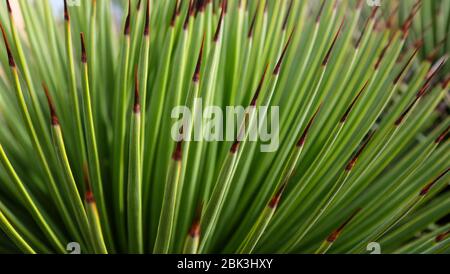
point(88, 157)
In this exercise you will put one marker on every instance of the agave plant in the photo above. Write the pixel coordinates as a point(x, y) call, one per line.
point(86, 148)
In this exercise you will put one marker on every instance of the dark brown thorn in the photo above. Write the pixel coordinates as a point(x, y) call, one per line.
point(275, 201)
point(434, 70)
point(137, 104)
point(188, 15)
point(443, 135)
point(195, 229)
point(200, 6)
point(147, 20)
point(192, 8)
point(406, 66)
point(252, 25)
point(402, 117)
point(89, 195)
point(327, 56)
point(11, 61)
point(383, 52)
point(408, 22)
point(198, 66)
point(174, 14)
point(219, 25)
point(430, 185)
point(179, 8)
point(302, 140)
point(8, 5)
point(288, 13)
point(126, 30)
point(442, 236)
point(335, 234)
point(358, 42)
point(320, 12)
point(225, 6)
point(66, 12)
point(235, 147)
point(376, 25)
point(347, 112)
point(277, 68)
point(138, 6)
point(355, 158)
point(374, 12)
point(51, 106)
point(83, 49)
point(178, 152)
point(258, 89)
point(437, 66)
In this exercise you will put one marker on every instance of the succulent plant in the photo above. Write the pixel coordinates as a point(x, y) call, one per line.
point(86, 147)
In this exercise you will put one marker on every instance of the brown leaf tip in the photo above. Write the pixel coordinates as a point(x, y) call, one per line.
point(252, 24)
point(408, 22)
point(188, 15)
point(11, 61)
point(288, 13)
point(235, 147)
point(66, 12)
point(88, 195)
point(200, 5)
point(178, 152)
point(349, 109)
point(8, 5)
point(301, 142)
point(327, 56)
point(402, 117)
point(126, 30)
point(335, 234)
point(320, 12)
point(137, 104)
point(195, 230)
point(383, 52)
point(430, 185)
point(219, 25)
point(54, 117)
point(258, 89)
point(174, 14)
point(441, 237)
point(355, 158)
point(198, 66)
point(402, 71)
point(138, 6)
point(275, 201)
point(434, 70)
point(443, 135)
point(147, 20)
point(277, 68)
point(83, 49)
